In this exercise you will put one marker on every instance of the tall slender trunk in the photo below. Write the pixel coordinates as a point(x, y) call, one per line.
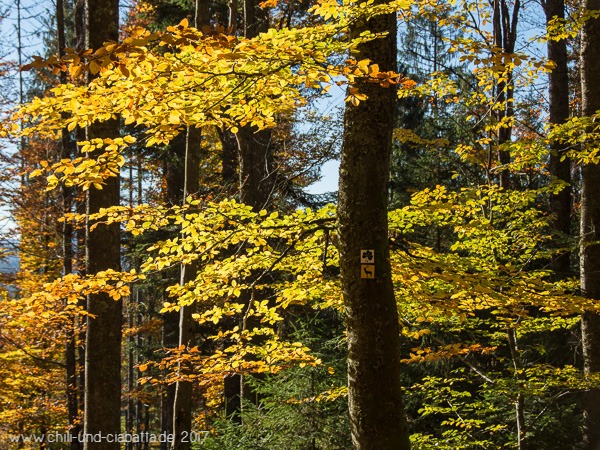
point(131, 412)
point(102, 412)
point(79, 32)
point(374, 391)
point(590, 226)
point(255, 148)
point(132, 307)
point(140, 408)
point(170, 339)
point(256, 179)
point(233, 14)
point(67, 152)
point(558, 89)
point(21, 86)
point(229, 162)
point(515, 353)
point(505, 37)
point(182, 395)
point(174, 173)
point(182, 401)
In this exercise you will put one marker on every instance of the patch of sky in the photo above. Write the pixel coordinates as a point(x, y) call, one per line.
point(330, 105)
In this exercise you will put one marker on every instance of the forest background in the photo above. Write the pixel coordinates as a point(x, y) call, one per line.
point(175, 275)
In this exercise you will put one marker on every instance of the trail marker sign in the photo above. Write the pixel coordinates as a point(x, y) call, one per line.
point(367, 264)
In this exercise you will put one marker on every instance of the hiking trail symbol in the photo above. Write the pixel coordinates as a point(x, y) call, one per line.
point(367, 264)
point(367, 256)
point(367, 271)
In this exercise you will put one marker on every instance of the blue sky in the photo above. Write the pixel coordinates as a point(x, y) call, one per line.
point(329, 180)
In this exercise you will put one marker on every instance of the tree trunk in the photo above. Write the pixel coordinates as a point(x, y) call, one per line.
point(232, 20)
point(80, 256)
point(515, 353)
point(229, 161)
point(182, 395)
point(505, 37)
point(374, 391)
point(79, 19)
point(67, 151)
point(80, 233)
point(590, 226)
point(255, 149)
point(558, 87)
point(256, 19)
point(170, 339)
point(256, 174)
point(256, 182)
point(103, 340)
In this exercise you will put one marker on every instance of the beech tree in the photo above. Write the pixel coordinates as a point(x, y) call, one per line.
point(482, 370)
point(182, 401)
point(374, 391)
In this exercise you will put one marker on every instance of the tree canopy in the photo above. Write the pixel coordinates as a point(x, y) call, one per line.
point(464, 174)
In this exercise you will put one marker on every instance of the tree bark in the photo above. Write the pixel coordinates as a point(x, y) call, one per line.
point(229, 161)
point(256, 174)
point(590, 226)
point(505, 37)
point(170, 339)
point(558, 89)
point(182, 396)
point(255, 149)
point(79, 27)
point(374, 391)
point(79, 23)
point(232, 20)
point(256, 19)
point(515, 353)
point(256, 179)
point(67, 256)
point(103, 340)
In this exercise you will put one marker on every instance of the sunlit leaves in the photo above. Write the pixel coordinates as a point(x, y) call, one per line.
point(87, 171)
point(279, 260)
point(444, 352)
point(203, 79)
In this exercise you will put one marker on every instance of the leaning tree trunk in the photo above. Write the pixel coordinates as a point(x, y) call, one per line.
point(375, 393)
point(590, 226)
point(102, 412)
